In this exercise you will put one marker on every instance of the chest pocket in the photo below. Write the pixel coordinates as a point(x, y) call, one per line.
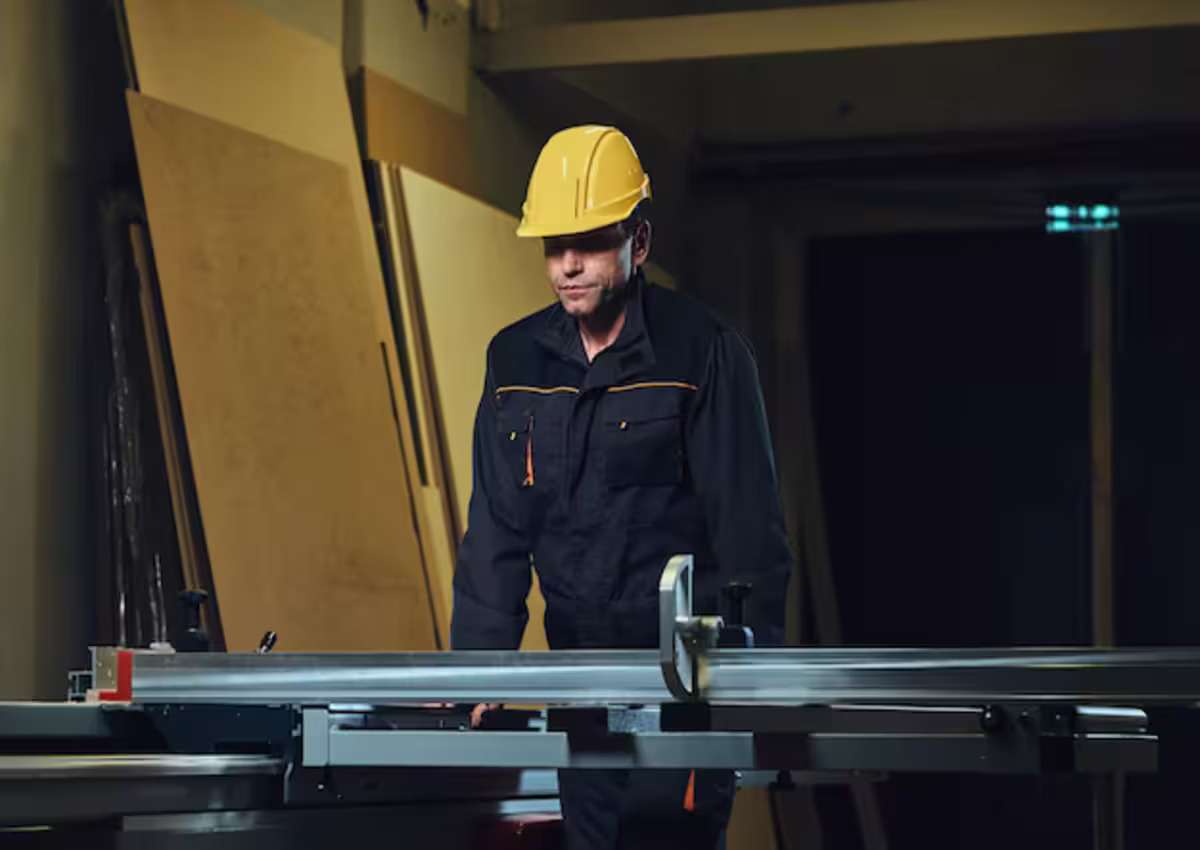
point(530, 438)
point(643, 438)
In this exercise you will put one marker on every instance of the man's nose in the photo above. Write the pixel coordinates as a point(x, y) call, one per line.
point(572, 262)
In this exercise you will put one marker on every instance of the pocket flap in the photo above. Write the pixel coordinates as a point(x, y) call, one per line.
point(644, 405)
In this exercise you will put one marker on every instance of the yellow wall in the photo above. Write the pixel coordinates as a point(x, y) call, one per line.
point(322, 18)
point(388, 37)
point(45, 605)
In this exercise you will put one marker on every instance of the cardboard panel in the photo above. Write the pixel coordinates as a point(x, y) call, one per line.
point(466, 296)
point(283, 388)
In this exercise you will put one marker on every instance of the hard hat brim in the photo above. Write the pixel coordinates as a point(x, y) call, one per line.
point(611, 213)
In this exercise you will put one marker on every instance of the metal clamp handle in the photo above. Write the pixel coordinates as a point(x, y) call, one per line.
point(682, 637)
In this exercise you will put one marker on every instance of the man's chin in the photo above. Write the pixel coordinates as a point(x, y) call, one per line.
point(578, 308)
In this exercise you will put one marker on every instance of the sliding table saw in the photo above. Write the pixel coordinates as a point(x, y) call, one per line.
point(175, 741)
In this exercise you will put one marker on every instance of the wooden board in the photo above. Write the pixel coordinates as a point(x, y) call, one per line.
point(238, 65)
point(183, 506)
point(474, 276)
point(283, 388)
point(438, 536)
point(402, 127)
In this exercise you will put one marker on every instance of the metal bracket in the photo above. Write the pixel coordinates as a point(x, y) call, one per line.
point(683, 638)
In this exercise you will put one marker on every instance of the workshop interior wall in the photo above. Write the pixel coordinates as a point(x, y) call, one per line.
point(45, 582)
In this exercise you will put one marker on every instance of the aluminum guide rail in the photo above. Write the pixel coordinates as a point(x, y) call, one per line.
point(764, 676)
point(686, 667)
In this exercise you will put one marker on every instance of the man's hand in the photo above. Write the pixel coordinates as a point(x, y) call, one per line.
point(478, 711)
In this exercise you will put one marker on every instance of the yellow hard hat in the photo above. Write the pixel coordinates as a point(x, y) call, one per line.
point(585, 178)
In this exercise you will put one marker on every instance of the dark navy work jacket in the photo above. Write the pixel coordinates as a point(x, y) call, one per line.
point(596, 474)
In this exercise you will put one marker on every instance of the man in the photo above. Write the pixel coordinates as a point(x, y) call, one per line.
point(618, 427)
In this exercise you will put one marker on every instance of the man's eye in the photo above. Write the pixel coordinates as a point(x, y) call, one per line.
point(592, 244)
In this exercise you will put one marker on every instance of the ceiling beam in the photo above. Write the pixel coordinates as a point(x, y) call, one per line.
point(814, 28)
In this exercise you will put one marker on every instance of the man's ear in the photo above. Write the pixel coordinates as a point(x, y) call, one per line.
point(641, 243)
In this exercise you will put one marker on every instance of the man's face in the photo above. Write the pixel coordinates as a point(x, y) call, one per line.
point(590, 270)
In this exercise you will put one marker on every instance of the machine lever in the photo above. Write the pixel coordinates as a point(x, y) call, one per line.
point(267, 643)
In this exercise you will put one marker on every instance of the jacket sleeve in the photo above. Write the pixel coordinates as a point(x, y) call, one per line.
point(733, 469)
point(492, 575)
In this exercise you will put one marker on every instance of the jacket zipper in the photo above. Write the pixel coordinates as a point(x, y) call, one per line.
point(528, 482)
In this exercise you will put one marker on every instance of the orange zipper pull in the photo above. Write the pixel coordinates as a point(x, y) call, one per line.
point(689, 795)
point(528, 482)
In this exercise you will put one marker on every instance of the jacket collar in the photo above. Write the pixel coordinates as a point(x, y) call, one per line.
point(631, 354)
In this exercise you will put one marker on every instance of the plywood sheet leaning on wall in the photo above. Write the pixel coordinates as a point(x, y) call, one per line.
point(240, 66)
point(474, 277)
point(223, 59)
point(283, 388)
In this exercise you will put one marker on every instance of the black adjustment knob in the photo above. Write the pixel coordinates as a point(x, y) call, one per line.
point(735, 594)
point(195, 639)
point(735, 632)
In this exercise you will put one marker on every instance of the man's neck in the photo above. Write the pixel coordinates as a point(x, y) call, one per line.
point(599, 332)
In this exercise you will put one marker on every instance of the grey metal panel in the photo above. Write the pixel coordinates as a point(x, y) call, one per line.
point(882, 751)
point(104, 667)
point(75, 720)
point(538, 749)
point(315, 737)
point(406, 748)
point(1135, 753)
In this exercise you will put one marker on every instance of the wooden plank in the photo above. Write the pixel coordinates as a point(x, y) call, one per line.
point(465, 297)
point(811, 28)
point(182, 507)
point(1100, 310)
point(410, 328)
point(438, 535)
point(238, 65)
point(403, 127)
point(283, 388)
point(751, 826)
